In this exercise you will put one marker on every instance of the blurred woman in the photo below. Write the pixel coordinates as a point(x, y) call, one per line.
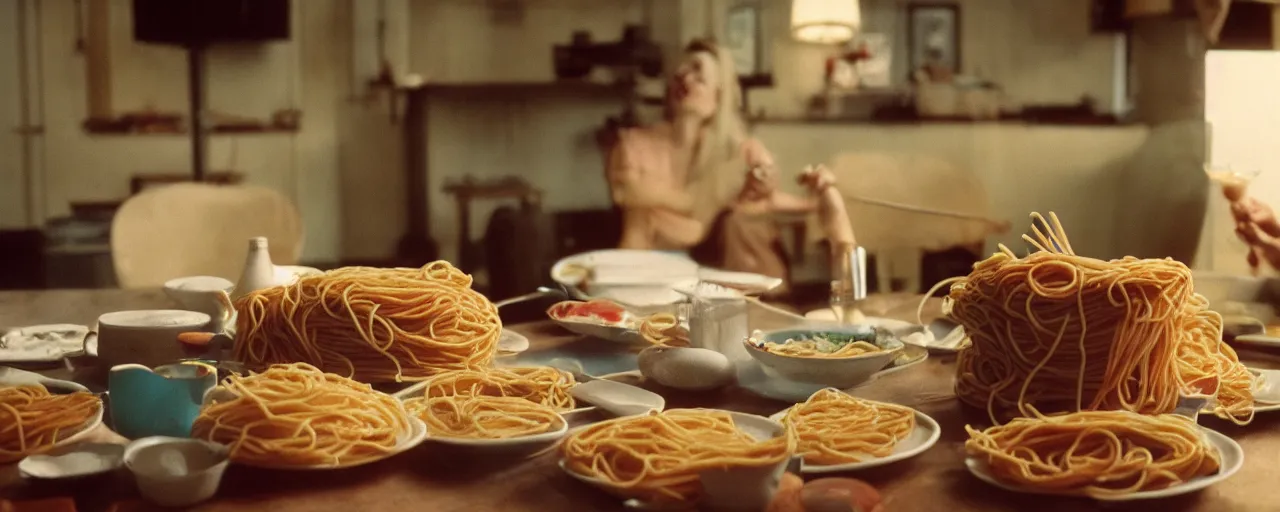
point(696, 180)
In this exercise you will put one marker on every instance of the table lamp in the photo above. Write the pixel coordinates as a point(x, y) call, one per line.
point(825, 21)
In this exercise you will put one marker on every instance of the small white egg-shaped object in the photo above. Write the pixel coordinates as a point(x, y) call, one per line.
point(693, 369)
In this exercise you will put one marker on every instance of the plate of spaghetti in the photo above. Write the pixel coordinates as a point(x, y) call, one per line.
point(371, 324)
point(1104, 455)
point(838, 357)
point(487, 421)
point(493, 407)
point(1063, 333)
point(678, 457)
point(837, 432)
point(34, 421)
point(293, 416)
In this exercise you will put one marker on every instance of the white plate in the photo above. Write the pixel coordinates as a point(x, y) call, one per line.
point(1232, 457)
point(508, 444)
point(757, 427)
point(1258, 340)
point(511, 342)
point(923, 437)
point(607, 332)
point(655, 280)
point(416, 434)
point(16, 377)
point(24, 344)
point(1267, 394)
point(754, 377)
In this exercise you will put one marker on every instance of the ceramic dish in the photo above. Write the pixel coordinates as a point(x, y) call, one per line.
point(410, 438)
point(755, 378)
point(840, 372)
point(645, 281)
point(923, 437)
point(1266, 394)
point(1231, 453)
point(81, 461)
point(15, 377)
point(941, 336)
point(175, 471)
point(516, 444)
point(42, 343)
point(721, 486)
point(1258, 341)
point(612, 322)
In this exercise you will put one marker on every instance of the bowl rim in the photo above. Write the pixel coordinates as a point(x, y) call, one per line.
point(868, 355)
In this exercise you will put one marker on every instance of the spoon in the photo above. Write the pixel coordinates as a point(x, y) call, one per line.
point(618, 399)
point(542, 291)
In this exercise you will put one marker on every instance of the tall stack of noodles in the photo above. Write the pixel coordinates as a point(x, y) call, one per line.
point(371, 324)
point(1059, 332)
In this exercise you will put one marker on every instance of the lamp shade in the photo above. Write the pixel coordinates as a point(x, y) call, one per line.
point(825, 21)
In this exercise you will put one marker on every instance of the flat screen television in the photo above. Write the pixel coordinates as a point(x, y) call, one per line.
point(199, 22)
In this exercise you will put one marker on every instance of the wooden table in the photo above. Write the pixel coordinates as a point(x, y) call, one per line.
point(439, 479)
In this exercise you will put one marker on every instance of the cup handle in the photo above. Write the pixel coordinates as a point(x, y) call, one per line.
point(225, 307)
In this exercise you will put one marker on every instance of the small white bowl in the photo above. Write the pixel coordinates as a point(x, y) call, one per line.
point(840, 373)
point(176, 472)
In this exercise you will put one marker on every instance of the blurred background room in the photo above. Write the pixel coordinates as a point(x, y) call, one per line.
point(394, 132)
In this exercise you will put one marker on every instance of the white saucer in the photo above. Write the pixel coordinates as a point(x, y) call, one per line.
point(923, 437)
point(1232, 457)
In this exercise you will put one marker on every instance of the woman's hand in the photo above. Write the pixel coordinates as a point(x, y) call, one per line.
point(1256, 224)
point(817, 179)
point(762, 182)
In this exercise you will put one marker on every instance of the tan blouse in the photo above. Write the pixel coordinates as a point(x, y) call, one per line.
point(664, 206)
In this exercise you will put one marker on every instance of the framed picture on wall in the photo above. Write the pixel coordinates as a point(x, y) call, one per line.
point(742, 37)
point(933, 36)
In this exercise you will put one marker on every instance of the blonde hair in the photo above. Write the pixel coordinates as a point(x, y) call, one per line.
point(718, 166)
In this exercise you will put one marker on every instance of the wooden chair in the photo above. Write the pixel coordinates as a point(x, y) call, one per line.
point(189, 229)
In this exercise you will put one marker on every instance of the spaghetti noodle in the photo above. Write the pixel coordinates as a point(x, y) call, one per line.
point(835, 428)
point(1095, 453)
point(33, 420)
point(483, 417)
point(815, 349)
point(538, 384)
point(657, 458)
point(664, 329)
point(373, 325)
point(1067, 333)
point(296, 415)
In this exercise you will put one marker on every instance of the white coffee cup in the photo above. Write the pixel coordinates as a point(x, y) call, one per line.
point(146, 337)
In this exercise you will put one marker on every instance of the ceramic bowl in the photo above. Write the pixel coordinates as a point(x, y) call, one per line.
point(834, 372)
point(176, 472)
point(198, 293)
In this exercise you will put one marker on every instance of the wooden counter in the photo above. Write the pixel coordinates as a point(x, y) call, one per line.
point(438, 479)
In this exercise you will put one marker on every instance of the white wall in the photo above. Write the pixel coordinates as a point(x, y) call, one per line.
point(1066, 170)
point(1242, 108)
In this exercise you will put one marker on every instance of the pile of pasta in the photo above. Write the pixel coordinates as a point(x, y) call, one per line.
point(813, 349)
point(294, 415)
point(832, 428)
point(1095, 453)
point(657, 458)
point(1066, 333)
point(493, 403)
point(664, 329)
point(33, 420)
point(371, 324)
point(539, 384)
point(484, 417)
